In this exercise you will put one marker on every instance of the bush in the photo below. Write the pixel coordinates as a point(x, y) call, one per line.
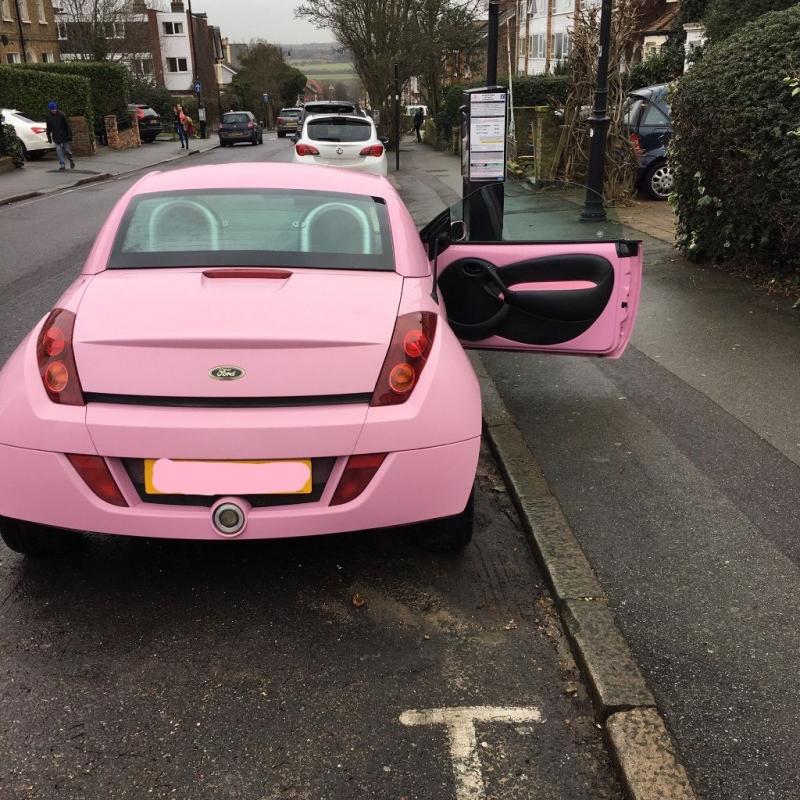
point(737, 166)
point(107, 80)
point(144, 91)
point(657, 68)
point(724, 17)
point(540, 90)
point(10, 145)
point(30, 92)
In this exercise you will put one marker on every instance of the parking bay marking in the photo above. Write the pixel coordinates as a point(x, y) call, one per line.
point(460, 723)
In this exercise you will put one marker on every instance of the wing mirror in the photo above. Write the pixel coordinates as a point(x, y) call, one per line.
point(385, 141)
point(458, 231)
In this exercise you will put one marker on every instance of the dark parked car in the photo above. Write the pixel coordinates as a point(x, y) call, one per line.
point(650, 128)
point(240, 126)
point(287, 121)
point(149, 121)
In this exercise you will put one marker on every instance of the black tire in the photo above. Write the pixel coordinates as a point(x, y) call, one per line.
point(448, 535)
point(37, 541)
point(254, 140)
point(149, 139)
point(659, 181)
point(261, 138)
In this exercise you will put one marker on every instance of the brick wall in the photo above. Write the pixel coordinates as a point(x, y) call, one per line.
point(82, 137)
point(122, 140)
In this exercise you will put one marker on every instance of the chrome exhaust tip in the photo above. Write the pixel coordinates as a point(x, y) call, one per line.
point(228, 519)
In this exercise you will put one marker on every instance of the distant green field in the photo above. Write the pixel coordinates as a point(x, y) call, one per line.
point(327, 72)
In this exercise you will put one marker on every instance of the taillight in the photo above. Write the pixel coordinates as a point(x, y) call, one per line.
point(37, 129)
point(409, 350)
point(98, 477)
point(251, 124)
point(358, 472)
point(281, 120)
point(306, 150)
point(139, 113)
point(57, 360)
point(373, 150)
point(637, 144)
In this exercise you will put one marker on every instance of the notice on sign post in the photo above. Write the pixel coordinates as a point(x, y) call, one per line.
point(487, 136)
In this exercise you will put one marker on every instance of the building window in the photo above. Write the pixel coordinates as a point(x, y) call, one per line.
point(564, 5)
point(62, 30)
point(48, 58)
point(173, 28)
point(537, 45)
point(23, 10)
point(142, 66)
point(177, 65)
point(6, 8)
point(559, 44)
point(40, 12)
point(13, 58)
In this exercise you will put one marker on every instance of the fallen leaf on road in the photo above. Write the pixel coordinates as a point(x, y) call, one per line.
point(358, 600)
point(510, 625)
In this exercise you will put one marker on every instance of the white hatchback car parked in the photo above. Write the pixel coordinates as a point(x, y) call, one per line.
point(336, 140)
point(33, 135)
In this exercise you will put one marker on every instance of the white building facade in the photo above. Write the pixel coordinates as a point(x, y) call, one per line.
point(544, 30)
point(176, 50)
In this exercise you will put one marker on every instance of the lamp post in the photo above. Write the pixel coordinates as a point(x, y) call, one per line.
point(201, 109)
point(593, 210)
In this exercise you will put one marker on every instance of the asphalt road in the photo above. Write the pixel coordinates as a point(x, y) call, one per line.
point(679, 469)
point(246, 670)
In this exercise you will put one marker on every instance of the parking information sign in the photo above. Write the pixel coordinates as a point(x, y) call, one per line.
point(487, 136)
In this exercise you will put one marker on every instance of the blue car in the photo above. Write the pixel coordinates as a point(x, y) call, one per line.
point(650, 128)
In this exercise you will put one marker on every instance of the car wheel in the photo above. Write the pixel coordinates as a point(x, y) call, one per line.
point(659, 181)
point(39, 541)
point(448, 535)
point(261, 139)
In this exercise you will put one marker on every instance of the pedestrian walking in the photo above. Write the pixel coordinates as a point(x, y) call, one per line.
point(419, 117)
point(180, 122)
point(60, 133)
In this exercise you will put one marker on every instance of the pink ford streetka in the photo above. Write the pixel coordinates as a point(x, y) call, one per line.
point(262, 350)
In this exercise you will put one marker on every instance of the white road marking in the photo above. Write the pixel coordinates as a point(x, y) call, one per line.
point(460, 724)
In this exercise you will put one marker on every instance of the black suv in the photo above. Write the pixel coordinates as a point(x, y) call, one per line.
point(647, 115)
point(148, 119)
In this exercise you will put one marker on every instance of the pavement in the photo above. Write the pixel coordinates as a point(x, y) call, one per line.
point(677, 469)
point(44, 176)
point(345, 667)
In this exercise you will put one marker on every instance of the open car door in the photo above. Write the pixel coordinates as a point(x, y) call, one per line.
point(553, 284)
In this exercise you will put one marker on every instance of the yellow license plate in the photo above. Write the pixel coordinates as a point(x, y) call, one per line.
point(184, 476)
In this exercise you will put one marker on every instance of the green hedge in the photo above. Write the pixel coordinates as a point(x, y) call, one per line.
point(724, 17)
point(540, 90)
point(30, 92)
point(737, 165)
point(108, 82)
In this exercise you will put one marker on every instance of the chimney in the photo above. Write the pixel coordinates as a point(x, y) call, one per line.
point(177, 6)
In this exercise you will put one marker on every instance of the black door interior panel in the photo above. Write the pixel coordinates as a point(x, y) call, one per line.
point(482, 302)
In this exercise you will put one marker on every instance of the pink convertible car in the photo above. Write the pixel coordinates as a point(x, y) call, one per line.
point(263, 350)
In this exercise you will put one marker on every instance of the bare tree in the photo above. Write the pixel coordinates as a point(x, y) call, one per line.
point(104, 29)
point(379, 33)
point(442, 28)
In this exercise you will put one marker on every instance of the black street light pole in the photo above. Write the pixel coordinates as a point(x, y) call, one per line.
point(397, 117)
point(201, 109)
point(593, 210)
point(491, 44)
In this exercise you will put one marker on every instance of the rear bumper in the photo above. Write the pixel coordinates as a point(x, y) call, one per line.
point(410, 486)
point(374, 166)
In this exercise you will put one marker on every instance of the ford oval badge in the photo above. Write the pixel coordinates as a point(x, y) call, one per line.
point(226, 373)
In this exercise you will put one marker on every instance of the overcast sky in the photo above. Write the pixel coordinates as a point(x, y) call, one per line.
point(273, 20)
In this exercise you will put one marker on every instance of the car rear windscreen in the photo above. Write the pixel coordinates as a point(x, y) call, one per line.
point(254, 227)
point(230, 119)
point(290, 112)
point(339, 130)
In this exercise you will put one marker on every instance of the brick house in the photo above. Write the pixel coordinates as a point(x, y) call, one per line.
point(27, 32)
